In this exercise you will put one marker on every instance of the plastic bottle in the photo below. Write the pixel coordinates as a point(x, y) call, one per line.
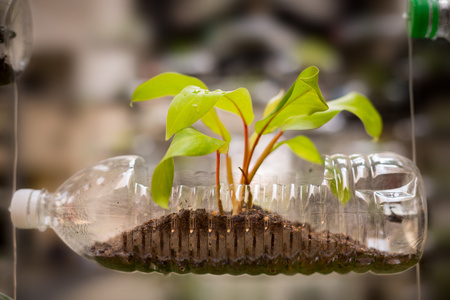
point(15, 38)
point(297, 225)
point(429, 19)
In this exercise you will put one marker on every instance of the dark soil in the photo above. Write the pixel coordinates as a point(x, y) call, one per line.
point(195, 241)
point(6, 71)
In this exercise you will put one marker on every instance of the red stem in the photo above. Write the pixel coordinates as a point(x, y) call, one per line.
point(262, 131)
point(263, 156)
point(247, 165)
point(246, 150)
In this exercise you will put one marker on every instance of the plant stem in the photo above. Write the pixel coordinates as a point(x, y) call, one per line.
point(263, 156)
point(242, 194)
point(219, 202)
point(246, 146)
point(241, 199)
point(249, 200)
point(246, 178)
point(231, 182)
point(252, 151)
point(246, 150)
point(243, 174)
point(247, 165)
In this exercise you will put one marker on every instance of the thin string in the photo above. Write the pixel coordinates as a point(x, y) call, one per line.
point(411, 99)
point(413, 135)
point(9, 22)
point(14, 187)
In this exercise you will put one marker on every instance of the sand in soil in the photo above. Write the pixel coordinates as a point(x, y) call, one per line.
point(195, 241)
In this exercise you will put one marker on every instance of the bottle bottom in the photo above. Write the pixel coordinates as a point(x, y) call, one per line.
point(196, 241)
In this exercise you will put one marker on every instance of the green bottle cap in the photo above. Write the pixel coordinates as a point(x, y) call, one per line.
point(423, 18)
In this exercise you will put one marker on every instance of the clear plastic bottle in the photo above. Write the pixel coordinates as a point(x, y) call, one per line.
point(15, 38)
point(429, 19)
point(297, 225)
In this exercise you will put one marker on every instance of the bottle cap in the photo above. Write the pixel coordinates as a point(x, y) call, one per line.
point(423, 18)
point(24, 208)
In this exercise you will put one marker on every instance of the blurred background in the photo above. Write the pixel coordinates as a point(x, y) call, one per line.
point(88, 57)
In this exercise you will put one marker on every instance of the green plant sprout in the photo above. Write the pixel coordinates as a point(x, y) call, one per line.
point(4, 297)
point(302, 107)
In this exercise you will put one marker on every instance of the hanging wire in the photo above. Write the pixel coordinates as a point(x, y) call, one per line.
point(9, 22)
point(411, 99)
point(413, 135)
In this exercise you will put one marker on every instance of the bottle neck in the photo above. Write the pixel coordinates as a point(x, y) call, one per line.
point(422, 16)
point(30, 209)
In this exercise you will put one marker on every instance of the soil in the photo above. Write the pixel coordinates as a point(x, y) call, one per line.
point(196, 241)
point(6, 71)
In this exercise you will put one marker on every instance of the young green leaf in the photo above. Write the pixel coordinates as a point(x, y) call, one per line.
point(212, 121)
point(253, 139)
point(343, 194)
point(162, 181)
point(186, 142)
point(303, 98)
point(165, 84)
point(338, 186)
point(189, 106)
point(4, 297)
point(303, 147)
point(352, 102)
point(238, 102)
point(273, 102)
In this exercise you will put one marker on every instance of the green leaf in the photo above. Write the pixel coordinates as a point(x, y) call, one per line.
point(238, 102)
point(191, 142)
point(273, 102)
point(252, 139)
point(303, 147)
point(342, 194)
point(186, 142)
point(162, 181)
point(352, 102)
point(340, 191)
point(212, 121)
point(189, 106)
point(303, 98)
point(165, 84)
point(4, 297)
point(338, 186)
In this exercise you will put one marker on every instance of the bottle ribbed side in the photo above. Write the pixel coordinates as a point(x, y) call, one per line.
point(292, 228)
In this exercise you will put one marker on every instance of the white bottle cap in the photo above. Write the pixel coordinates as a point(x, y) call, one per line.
point(24, 208)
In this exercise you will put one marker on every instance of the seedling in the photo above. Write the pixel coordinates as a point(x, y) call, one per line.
point(4, 297)
point(302, 107)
